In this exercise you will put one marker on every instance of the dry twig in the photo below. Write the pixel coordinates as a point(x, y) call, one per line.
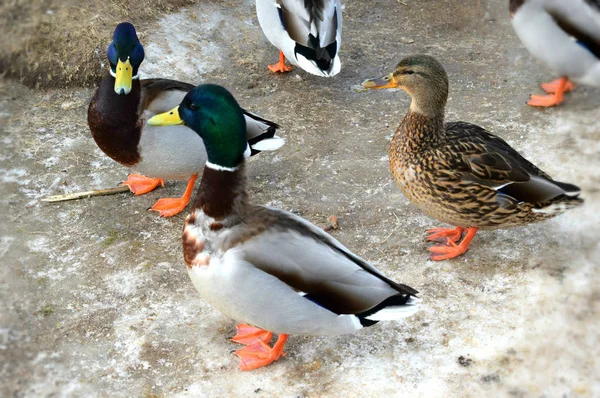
point(87, 194)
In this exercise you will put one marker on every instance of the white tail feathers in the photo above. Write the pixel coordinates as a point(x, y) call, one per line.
point(573, 192)
point(312, 68)
point(554, 208)
point(269, 144)
point(396, 312)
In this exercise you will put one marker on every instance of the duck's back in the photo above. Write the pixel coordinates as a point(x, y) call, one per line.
point(162, 95)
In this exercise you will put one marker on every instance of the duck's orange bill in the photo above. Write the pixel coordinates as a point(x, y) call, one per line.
point(380, 82)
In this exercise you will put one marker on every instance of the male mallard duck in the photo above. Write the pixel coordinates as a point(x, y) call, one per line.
point(267, 267)
point(566, 36)
point(307, 32)
point(117, 118)
point(459, 173)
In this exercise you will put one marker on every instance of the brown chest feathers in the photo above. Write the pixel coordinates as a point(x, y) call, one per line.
point(221, 193)
point(412, 155)
point(114, 121)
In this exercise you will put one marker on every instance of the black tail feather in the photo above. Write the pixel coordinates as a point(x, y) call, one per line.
point(394, 301)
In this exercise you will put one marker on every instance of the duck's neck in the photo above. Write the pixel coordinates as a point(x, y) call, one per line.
point(418, 132)
point(114, 121)
point(222, 192)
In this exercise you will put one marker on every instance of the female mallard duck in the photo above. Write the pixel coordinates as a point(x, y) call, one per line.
point(307, 32)
point(566, 36)
point(459, 173)
point(266, 267)
point(117, 118)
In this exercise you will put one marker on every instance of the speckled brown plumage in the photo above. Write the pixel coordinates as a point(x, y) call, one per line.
point(459, 173)
point(450, 172)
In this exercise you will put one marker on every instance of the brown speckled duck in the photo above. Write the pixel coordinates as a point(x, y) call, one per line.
point(117, 117)
point(459, 173)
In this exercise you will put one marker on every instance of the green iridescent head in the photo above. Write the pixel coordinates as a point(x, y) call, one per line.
point(212, 112)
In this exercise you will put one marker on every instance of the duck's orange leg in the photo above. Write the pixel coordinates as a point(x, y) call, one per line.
point(260, 354)
point(139, 184)
point(248, 335)
point(450, 249)
point(168, 207)
point(280, 66)
point(558, 87)
point(441, 234)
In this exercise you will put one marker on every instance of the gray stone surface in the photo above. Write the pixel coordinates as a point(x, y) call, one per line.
point(94, 296)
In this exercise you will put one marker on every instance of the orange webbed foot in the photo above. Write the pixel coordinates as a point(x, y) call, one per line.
point(441, 234)
point(553, 86)
point(280, 67)
point(248, 335)
point(545, 100)
point(557, 88)
point(450, 249)
point(260, 354)
point(168, 207)
point(139, 184)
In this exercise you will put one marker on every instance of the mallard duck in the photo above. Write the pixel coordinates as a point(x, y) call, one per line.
point(566, 36)
point(307, 32)
point(117, 118)
point(265, 267)
point(458, 172)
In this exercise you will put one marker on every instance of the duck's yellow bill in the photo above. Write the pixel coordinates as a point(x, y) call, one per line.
point(167, 118)
point(380, 82)
point(123, 77)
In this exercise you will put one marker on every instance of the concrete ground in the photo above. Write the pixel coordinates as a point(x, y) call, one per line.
point(94, 296)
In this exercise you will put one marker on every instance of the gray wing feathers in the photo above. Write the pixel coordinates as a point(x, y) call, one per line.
point(163, 102)
point(328, 240)
point(313, 268)
point(310, 260)
point(310, 17)
point(330, 23)
point(243, 292)
point(257, 126)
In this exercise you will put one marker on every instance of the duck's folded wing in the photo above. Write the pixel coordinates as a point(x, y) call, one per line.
point(578, 18)
point(320, 268)
point(258, 129)
point(154, 85)
point(488, 160)
point(162, 95)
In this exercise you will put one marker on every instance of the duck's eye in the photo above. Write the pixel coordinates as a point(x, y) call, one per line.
point(194, 107)
point(408, 72)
